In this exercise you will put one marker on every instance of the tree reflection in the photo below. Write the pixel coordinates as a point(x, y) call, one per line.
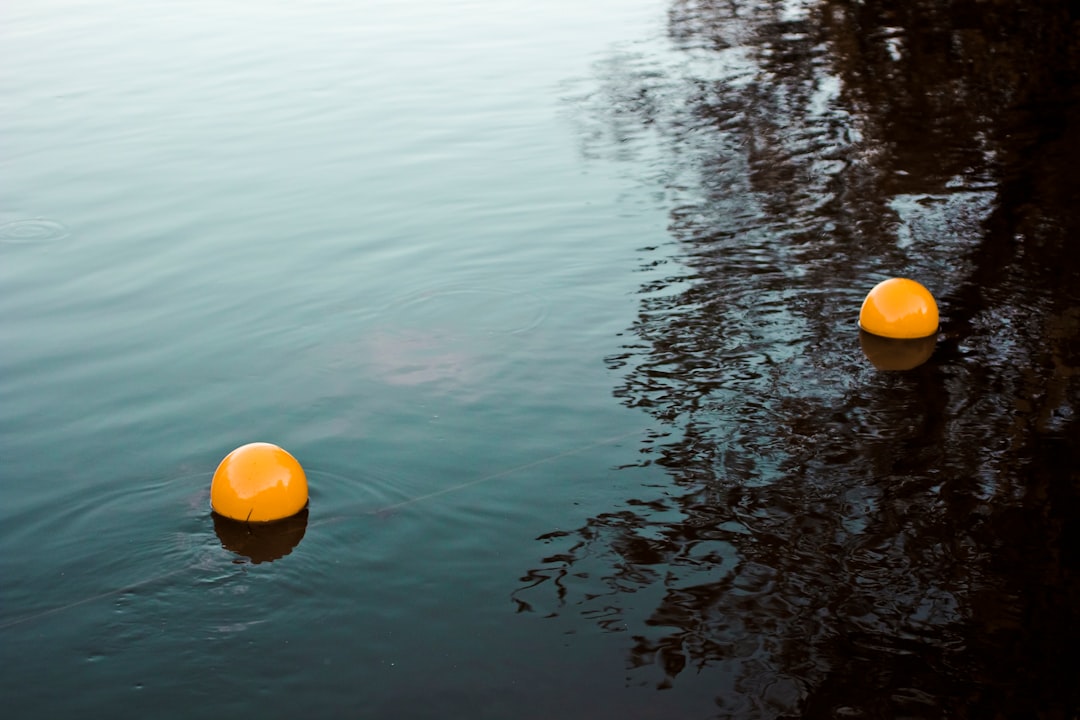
point(835, 540)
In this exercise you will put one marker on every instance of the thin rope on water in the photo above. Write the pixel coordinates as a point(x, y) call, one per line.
point(100, 596)
point(496, 476)
point(386, 509)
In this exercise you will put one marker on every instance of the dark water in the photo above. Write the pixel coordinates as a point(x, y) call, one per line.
point(558, 308)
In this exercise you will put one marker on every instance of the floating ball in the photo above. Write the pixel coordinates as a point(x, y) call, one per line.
point(258, 482)
point(899, 308)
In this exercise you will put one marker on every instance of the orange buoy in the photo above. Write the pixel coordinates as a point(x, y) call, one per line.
point(899, 308)
point(258, 482)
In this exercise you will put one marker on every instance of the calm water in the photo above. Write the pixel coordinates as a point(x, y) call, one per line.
point(557, 306)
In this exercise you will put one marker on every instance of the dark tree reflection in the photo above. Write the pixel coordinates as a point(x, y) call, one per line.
point(835, 541)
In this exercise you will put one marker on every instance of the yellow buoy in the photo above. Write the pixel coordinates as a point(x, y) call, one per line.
point(899, 308)
point(258, 482)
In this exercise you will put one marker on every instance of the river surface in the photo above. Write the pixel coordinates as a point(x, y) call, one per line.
point(557, 305)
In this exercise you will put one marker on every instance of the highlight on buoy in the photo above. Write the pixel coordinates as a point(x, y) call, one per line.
point(258, 482)
point(899, 308)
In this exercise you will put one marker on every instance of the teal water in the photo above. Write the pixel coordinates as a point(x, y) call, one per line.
point(558, 307)
point(365, 232)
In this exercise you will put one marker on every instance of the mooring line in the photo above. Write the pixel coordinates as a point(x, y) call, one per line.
point(108, 593)
point(496, 476)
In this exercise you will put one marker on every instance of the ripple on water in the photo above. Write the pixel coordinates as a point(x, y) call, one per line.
point(444, 336)
point(102, 543)
point(32, 231)
point(459, 311)
point(149, 548)
point(338, 499)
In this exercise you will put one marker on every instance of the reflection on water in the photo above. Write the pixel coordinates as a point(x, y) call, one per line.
point(842, 541)
point(261, 542)
point(362, 230)
point(896, 354)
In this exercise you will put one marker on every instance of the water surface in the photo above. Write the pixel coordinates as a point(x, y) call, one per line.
point(557, 307)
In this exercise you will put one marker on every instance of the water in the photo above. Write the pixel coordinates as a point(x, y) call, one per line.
point(556, 305)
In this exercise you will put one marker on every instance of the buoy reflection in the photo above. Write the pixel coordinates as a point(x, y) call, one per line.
point(261, 542)
point(896, 354)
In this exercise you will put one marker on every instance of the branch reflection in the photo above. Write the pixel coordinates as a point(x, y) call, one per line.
point(837, 541)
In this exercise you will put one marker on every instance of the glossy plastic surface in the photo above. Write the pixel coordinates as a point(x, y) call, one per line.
point(258, 482)
point(899, 308)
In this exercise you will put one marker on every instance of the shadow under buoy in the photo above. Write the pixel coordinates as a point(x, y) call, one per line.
point(896, 353)
point(261, 542)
